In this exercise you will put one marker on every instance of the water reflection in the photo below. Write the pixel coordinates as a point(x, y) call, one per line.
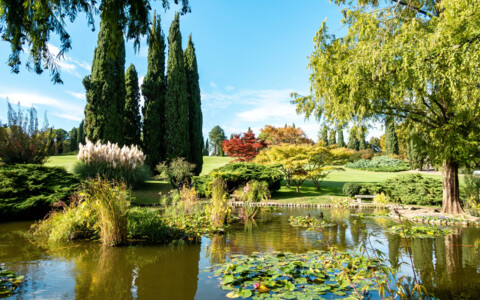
point(447, 265)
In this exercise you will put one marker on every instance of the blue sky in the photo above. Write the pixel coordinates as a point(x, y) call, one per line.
point(251, 55)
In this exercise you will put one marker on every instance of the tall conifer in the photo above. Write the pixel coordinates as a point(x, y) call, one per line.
point(154, 91)
point(81, 133)
point(195, 118)
point(353, 142)
point(132, 118)
point(391, 140)
point(105, 87)
point(332, 137)
point(340, 139)
point(73, 139)
point(176, 108)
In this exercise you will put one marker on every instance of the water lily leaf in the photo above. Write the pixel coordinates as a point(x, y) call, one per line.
point(228, 279)
point(233, 294)
point(244, 293)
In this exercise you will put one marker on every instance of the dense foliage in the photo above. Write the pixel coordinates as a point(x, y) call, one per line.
point(29, 191)
point(302, 162)
point(105, 86)
point(391, 140)
point(415, 61)
point(404, 189)
point(154, 91)
point(21, 142)
point(177, 138)
point(472, 191)
point(283, 135)
point(28, 27)
point(215, 139)
point(340, 139)
point(132, 119)
point(195, 117)
point(124, 164)
point(178, 171)
point(237, 175)
point(380, 164)
point(244, 147)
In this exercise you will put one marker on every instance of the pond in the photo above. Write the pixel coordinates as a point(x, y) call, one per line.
point(448, 266)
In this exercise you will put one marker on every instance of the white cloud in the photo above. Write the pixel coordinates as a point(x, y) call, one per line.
point(229, 88)
point(213, 84)
point(71, 110)
point(67, 63)
point(80, 96)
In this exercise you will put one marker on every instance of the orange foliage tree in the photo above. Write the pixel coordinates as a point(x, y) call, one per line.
point(284, 135)
point(243, 146)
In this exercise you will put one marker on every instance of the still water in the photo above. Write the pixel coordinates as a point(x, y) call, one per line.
point(449, 266)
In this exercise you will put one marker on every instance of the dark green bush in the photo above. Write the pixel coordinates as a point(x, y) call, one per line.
point(146, 224)
point(380, 164)
point(414, 189)
point(238, 174)
point(133, 178)
point(405, 189)
point(28, 191)
point(203, 185)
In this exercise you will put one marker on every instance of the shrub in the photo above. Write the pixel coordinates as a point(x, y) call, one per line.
point(381, 199)
point(380, 164)
point(472, 191)
point(29, 191)
point(178, 172)
point(22, 142)
point(253, 191)
point(146, 224)
point(414, 189)
point(203, 185)
point(124, 164)
point(351, 189)
point(238, 174)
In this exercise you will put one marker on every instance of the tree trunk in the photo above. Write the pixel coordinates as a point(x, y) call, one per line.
point(451, 193)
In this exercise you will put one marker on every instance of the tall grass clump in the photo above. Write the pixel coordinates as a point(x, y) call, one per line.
point(124, 164)
point(254, 191)
point(218, 208)
point(113, 202)
point(99, 210)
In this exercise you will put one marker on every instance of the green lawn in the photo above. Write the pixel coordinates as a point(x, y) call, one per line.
point(330, 187)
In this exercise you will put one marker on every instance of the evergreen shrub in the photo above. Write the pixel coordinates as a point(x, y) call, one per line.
point(380, 164)
point(29, 191)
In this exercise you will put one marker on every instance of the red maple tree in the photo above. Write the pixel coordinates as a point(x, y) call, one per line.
point(243, 146)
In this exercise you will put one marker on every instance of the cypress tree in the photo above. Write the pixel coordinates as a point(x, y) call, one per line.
point(154, 92)
point(353, 142)
point(176, 107)
point(81, 133)
point(105, 87)
point(74, 139)
point(331, 137)
point(362, 144)
point(205, 150)
point(340, 139)
point(323, 135)
point(132, 118)
point(195, 118)
point(416, 152)
point(391, 140)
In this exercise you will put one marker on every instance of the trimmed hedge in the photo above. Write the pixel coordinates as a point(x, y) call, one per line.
point(380, 164)
point(405, 189)
point(28, 191)
point(238, 174)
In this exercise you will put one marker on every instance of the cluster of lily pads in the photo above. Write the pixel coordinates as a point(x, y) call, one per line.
point(416, 231)
point(308, 222)
point(299, 276)
point(438, 219)
point(8, 282)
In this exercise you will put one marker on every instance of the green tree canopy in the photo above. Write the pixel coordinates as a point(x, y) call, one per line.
point(195, 117)
point(132, 119)
point(417, 61)
point(216, 138)
point(28, 25)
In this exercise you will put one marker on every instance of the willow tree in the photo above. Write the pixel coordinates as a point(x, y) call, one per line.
point(416, 61)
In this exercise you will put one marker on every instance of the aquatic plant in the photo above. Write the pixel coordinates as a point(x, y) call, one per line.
point(308, 222)
point(178, 171)
point(9, 282)
point(340, 203)
point(294, 276)
point(417, 231)
point(218, 209)
point(381, 199)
